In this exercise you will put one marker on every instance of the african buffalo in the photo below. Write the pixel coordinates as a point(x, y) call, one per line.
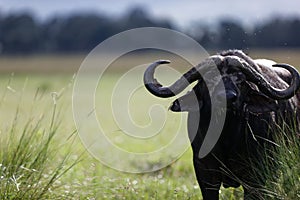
point(259, 94)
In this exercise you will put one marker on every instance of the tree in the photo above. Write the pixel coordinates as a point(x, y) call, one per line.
point(20, 34)
point(81, 32)
point(232, 35)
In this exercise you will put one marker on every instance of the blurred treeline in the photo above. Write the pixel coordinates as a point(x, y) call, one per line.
point(22, 33)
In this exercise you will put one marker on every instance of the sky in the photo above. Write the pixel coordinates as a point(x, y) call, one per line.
point(183, 13)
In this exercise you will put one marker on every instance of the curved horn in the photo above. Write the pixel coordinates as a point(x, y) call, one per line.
point(295, 83)
point(267, 88)
point(158, 90)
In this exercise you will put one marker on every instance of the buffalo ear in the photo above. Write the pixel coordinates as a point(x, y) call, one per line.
point(259, 103)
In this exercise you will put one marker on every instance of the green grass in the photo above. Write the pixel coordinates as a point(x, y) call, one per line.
point(283, 172)
point(38, 145)
point(28, 149)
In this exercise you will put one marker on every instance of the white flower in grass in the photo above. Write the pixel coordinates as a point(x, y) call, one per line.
point(134, 182)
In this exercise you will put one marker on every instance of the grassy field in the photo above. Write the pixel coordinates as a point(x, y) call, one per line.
point(42, 156)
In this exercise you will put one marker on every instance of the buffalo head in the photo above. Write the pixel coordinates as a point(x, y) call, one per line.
point(236, 81)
